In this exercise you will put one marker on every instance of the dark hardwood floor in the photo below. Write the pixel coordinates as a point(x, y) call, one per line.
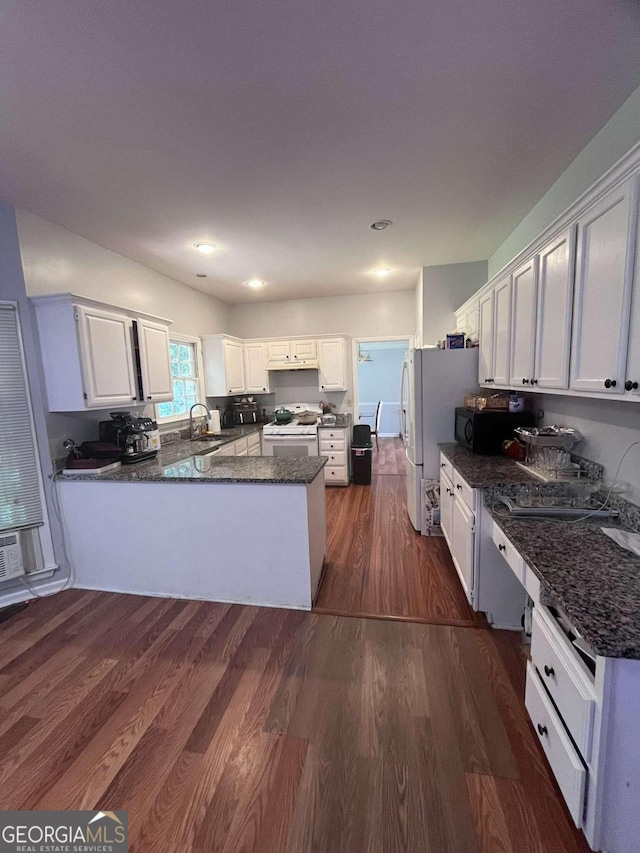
point(230, 728)
point(377, 565)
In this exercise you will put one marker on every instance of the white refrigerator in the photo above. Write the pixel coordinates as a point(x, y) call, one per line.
point(433, 383)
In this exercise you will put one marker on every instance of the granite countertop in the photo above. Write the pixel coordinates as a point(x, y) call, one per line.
point(482, 471)
point(183, 462)
point(593, 580)
point(581, 570)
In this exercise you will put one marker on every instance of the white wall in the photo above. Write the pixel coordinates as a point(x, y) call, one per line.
point(57, 261)
point(618, 135)
point(444, 289)
point(370, 315)
point(608, 428)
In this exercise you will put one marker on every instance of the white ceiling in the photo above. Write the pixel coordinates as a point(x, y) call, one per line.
point(279, 129)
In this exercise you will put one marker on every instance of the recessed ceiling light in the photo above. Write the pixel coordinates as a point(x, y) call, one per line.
point(382, 272)
point(205, 248)
point(380, 225)
point(255, 283)
point(200, 275)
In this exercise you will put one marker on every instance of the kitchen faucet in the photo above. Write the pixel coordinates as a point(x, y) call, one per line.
point(195, 406)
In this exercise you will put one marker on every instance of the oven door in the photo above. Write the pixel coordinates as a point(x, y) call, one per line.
point(290, 445)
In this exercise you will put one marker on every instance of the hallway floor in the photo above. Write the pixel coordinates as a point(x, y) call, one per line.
point(377, 565)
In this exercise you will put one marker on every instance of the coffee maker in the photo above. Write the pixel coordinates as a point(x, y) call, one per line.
point(137, 438)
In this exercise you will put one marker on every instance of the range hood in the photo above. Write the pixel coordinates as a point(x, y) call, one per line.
point(299, 364)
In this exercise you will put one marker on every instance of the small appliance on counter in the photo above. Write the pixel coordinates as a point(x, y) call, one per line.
point(137, 438)
point(245, 411)
point(484, 431)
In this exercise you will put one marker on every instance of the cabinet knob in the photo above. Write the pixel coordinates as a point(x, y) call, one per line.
point(525, 381)
point(149, 397)
point(443, 465)
point(549, 671)
point(534, 381)
point(610, 383)
point(542, 730)
point(630, 386)
point(459, 487)
point(322, 386)
point(502, 547)
point(134, 398)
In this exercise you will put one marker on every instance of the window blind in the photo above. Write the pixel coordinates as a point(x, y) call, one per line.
point(20, 500)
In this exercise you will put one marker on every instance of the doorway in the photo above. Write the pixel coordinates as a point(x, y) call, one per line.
point(377, 367)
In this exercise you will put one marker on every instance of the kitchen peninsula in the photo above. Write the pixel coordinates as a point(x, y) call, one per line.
point(191, 524)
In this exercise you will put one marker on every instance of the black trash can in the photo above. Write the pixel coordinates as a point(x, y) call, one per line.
point(361, 455)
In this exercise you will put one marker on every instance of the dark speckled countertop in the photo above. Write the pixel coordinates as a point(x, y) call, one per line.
point(581, 570)
point(483, 471)
point(187, 462)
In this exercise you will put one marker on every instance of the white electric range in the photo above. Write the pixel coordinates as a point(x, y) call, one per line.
point(292, 439)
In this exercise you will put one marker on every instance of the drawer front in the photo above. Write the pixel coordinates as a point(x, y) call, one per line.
point(337, 458)
point(567, 767)
point(567, 685)
point(253, 440)
point(336, 474)
point(227, 450)
point(332, 444)
point(446, 466)
point(254, 450)
point(464, 490)
point(333, 434)
point(510, 554)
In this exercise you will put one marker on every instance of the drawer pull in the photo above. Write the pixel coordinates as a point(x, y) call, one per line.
point(502, 547)
point(542, 730)
point(549, 671)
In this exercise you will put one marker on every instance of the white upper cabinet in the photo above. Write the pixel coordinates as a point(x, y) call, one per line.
point(632, 374)
point(502, 332)
point(332, 364)
point(472, 321)
point(305, 352)
point(523, 332)
point(223, 365)
point(289, 355)
point(485, 356)
point(106, 352)
point(89, 355)
point(278, 354)
point(256, 376)
point(234, 366)
point(155, 366)
point(602, 299)
point(554, 311)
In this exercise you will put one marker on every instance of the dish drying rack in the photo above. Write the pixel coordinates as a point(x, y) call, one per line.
point(548, 452)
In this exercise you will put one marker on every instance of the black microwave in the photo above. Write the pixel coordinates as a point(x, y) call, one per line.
point(484, 432)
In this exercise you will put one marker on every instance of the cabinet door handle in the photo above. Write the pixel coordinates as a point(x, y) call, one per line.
point(534, 381)
point(610, 383)
point(134, 398)
point(542, 730)
point(549, 671)
point(458, 486)
point(502, 548)
point(630, 386)
point(149, 397)
point(525, 381)
point(443, 465)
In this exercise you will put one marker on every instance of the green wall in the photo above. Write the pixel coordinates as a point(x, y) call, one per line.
point(619, 134)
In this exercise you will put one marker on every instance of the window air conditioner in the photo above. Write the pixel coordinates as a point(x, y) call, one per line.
point(11, 565)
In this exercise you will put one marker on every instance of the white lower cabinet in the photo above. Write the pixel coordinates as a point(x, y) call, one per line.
point(562, 756)
point(463, 530)
point(586, 721)
point(467, 527)
point(333, 443)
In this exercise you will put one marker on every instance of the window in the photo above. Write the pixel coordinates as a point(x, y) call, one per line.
point(20, 496)
point(183, 354)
